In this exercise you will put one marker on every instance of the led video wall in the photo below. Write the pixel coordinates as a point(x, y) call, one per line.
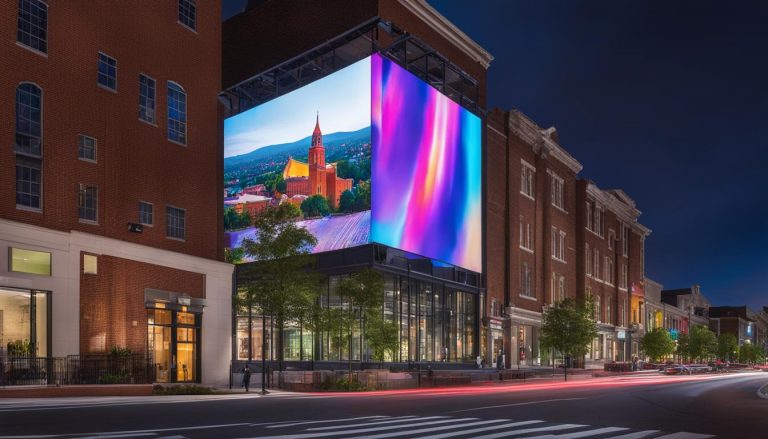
point(367, 154)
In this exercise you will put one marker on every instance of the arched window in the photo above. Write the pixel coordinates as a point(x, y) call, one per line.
point(177, 113)
point(33, 25)
point(28, 146)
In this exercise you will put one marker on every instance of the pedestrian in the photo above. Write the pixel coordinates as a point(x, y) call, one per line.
point(246, 377)
point(634, 364)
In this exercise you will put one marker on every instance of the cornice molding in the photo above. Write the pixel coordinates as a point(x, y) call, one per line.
point(626, 213)
point(449, 31)
point(541, 143)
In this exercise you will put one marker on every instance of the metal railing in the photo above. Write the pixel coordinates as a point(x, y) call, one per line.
point(76, 369)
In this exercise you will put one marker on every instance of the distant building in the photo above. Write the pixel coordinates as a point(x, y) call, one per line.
point(736, 320)
point(316, 177)
point(253, 204)
point(690, 301)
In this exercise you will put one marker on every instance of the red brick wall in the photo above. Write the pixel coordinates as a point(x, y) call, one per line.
point(112, 300)
point(495, 214)
point(135, 161)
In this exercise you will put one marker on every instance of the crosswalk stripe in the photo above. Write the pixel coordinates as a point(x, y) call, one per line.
point(478, 430)
point(685, 435)
point(374, 429)
point(365, 424)
point(635, 435)
point(580, 434)
point(292, 424)
point(530, 430)
point(428, 430)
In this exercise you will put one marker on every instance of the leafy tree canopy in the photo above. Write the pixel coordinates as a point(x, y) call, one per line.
point(568, 327)
point(316, 205)
point(657, 344)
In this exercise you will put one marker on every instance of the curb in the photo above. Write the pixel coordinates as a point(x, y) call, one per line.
point(762, 392)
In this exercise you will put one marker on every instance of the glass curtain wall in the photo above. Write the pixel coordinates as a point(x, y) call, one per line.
point(436, 324)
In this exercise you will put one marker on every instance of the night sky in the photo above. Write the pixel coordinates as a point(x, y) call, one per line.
point(667, 100)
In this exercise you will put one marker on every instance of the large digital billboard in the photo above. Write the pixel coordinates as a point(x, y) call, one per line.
point(368, 154)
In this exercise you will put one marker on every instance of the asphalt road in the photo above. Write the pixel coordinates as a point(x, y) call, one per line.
point(655, 406)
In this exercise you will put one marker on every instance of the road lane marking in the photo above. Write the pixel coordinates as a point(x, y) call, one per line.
point(411, 418)
point(391, 434)
point(685, 435)
point(391, 427)
point(635, 435)
point(478, 430)
point(515, 404)
point(530, 430)
point(291, 424)
point(110, 436)
point(428, 430)
point(580, 434)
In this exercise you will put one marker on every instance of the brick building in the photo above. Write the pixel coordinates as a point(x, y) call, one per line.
point(109, 226)
point(610, 270)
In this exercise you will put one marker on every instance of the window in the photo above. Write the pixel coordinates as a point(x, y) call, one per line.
point(28, 182)
point(146, 99)
point(28, 146)
point(622, 312)
point(596, 268)
point(28, 120)
point(595, 218)
point(528, 179)
point(188, 13)
point(177, 114)
point(526, 237)
point(33, 25)
point(175, 223)
point(107, 71)
point(556, 191)
point(145, 213)
point(623, 277)
point(87, 203)
point(598, 309)
point(588, 260)
point(608, 276)
point(608, 314)
point(558, 244)
point(624, 240)
point(558, 288)
point(86, 148)
point(611, 238)
point(90, 264)
point(525, 280)
point(29, 261)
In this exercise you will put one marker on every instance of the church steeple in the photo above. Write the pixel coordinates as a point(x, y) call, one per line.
point(317, 135)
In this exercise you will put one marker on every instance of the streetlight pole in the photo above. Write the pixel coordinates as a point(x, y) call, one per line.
point(263, 353)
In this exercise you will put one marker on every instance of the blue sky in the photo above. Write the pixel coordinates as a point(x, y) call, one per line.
point(343, 100)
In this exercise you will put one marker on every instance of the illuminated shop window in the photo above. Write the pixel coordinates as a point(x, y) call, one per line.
point(90, 264)
point(30, 261)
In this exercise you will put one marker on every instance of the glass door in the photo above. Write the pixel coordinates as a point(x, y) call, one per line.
point(173, 339)
point(160, 342)
point(186, 347)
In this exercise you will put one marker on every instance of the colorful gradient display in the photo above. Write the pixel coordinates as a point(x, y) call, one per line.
point(426, 169)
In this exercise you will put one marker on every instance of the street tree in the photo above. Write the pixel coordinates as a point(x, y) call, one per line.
point(280, 283)
point(751, 353)
point(727, 347)
point(568, 327)
point(683, 347)
point(702, 343)
point(347, 201)
point(657, 344)
point(382, 336)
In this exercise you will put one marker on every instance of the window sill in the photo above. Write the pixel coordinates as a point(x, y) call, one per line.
point(87, 221)
point(526, 249)
point(560, 209)
point(527, 196)
point(194, 31)
point(82, 159)
point(594, 233)
point(152, 124)
point(29, 209)
point(528, 298)
point(147, 225)
point(104, 87)
point(559, 260)
point(177, 143)
point(176, 239)
point(32, 49)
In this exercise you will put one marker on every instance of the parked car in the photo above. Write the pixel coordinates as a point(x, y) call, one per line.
point(676, 369)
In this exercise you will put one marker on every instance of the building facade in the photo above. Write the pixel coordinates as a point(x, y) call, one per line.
point(112, 200)
point(437, 306)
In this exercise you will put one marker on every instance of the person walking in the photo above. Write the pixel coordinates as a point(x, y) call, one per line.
point(246, 377)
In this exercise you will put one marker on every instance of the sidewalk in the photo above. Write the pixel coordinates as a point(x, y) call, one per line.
point(76, 390)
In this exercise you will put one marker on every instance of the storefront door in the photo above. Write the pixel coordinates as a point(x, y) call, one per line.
point(174, 345)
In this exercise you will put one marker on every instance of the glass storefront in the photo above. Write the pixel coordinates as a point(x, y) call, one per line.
point(173, 343)
point(437, 323)
point(24, 318)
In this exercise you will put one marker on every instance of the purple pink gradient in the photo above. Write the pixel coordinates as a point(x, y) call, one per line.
point(426, 169)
